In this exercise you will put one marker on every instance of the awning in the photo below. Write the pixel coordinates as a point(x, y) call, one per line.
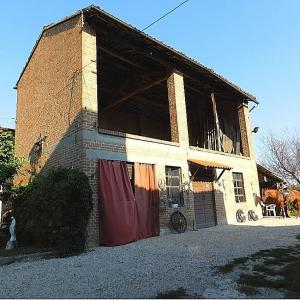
point(209, 164)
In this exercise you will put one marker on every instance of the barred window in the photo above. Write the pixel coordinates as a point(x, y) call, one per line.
point(173, 184)
point(239, 190)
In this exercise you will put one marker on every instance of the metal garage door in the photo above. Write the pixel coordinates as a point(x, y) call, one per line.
point(204, 204)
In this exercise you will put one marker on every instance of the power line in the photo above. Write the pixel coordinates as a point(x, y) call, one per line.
point(7, 118)
point(165, 15)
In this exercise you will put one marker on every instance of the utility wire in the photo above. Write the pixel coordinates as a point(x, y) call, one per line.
point(169, 12)
point(7, 118)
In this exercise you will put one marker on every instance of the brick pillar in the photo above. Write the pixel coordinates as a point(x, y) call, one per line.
point(245, 127)
point(89, 78)
point(90, 121)
point(177, 108)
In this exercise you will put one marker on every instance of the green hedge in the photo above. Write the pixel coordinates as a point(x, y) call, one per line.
point(54, 209)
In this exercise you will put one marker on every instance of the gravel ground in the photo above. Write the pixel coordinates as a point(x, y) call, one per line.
point(144, 268)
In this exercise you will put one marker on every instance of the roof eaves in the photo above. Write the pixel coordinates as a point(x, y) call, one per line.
point(268, 172)
point(247, 95)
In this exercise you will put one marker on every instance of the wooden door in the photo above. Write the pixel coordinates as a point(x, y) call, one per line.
point(204, 204)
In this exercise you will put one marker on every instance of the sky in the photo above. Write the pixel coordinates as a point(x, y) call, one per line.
point(253, 43)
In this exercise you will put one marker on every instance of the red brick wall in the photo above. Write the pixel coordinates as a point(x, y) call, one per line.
point(50, 96)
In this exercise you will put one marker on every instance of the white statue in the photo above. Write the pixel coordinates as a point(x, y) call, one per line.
point(12, 243)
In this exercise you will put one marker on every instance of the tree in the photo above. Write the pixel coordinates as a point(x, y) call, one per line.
point(282, 156)
point(9, 164)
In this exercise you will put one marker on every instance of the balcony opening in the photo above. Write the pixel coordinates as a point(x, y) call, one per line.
point(132, 88)
point(213, 119)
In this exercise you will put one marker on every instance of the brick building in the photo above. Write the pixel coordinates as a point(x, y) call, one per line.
point(95, 88)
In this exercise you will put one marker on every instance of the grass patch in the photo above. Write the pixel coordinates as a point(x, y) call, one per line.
point(260, 280)
point(281, 272)
point(277, 269)
point(248, 290)
point(261, 253)
point(273, 262)
point(293, 213)
point(22, 251)
point(263, 269)
point(180, 293)
point(230, 266)
point(7, 262)
point(63, 254)
point(291, 274)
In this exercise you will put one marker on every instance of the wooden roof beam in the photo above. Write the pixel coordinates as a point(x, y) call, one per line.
point(111, 53)
point(146, 101)
point(139, 49)
point(215, 86)
point(140, 89)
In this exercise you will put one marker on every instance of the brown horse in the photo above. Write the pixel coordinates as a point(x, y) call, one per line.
point(294, 197)
point(275, 197)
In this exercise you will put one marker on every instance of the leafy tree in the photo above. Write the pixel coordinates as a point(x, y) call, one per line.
point(9, 164)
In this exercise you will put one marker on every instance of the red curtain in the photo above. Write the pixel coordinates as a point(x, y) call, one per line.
point(117, 205)
point(147, 201)
point(126, 218)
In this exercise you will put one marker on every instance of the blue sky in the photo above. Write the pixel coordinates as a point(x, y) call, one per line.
point(253, 43)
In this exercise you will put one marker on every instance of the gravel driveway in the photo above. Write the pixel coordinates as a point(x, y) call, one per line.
point(144, 268)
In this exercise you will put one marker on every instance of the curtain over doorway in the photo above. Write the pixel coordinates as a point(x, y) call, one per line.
point(126, 215)
point(117, 204)
point(147, 201)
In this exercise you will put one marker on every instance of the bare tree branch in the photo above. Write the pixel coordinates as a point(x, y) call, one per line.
point(282, 156)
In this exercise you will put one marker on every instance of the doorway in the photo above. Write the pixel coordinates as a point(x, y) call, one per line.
point(204, 200)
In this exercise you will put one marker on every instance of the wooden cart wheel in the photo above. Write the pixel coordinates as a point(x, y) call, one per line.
point(240, 216)
point(252, 216)
point(178, 222)
point(161, 184)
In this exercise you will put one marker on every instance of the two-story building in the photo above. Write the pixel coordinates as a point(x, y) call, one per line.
point(99, 95)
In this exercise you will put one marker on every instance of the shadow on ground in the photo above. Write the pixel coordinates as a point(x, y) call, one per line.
point(276, 269)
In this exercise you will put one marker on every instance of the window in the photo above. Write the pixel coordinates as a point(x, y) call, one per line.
point(239, 191)
point(173, 184)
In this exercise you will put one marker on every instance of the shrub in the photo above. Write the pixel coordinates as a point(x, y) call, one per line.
point(291, 207)
point(54, 209)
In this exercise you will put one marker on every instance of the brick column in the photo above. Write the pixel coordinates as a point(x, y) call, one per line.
point(90, 121)
point(89, 78)
point(177, 108)
point(245, 127)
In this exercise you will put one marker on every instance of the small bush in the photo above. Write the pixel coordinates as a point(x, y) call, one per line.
point(54, 209)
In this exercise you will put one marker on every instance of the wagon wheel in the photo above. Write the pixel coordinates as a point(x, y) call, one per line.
point(178, 222)
point(252, 216)
point(240, 216)
point(161, 184)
